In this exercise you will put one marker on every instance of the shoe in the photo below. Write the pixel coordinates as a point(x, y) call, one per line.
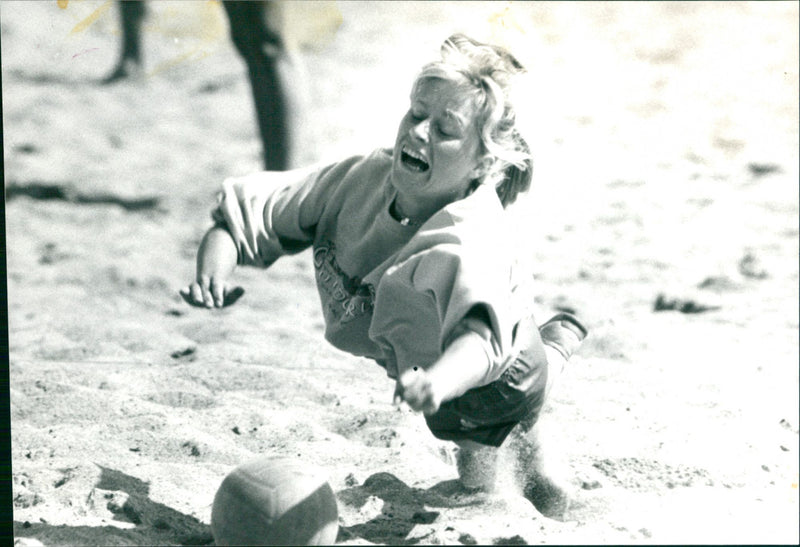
point(127, 69)
point(564, 333)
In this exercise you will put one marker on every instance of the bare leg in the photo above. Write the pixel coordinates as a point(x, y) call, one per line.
point(554, 341)
point(542, 484)
point(477, 465)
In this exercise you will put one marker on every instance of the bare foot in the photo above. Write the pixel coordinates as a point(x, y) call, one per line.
point(542, 483)
point(549, 497)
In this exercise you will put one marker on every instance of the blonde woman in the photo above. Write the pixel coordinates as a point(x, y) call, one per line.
point(413, 262)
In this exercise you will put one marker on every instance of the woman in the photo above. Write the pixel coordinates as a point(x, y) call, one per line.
point(413, 261)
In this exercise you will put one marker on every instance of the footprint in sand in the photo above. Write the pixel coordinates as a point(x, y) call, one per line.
point(640, 474)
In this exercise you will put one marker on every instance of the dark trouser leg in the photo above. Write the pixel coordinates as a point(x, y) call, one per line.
point(131, 15)
point(261, 50)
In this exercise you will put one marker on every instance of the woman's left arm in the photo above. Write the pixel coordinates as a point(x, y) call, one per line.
point(461, 366)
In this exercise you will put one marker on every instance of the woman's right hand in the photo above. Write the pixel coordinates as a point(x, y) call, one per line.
point(216, 260)
point(210, 292)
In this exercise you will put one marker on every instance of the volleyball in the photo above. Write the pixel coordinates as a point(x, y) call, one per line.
point(275, 501)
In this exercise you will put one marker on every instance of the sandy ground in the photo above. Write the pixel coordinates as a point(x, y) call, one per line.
point(667, 164)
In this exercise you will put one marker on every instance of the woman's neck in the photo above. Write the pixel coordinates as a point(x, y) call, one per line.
point(408, 212)
point(399, 213)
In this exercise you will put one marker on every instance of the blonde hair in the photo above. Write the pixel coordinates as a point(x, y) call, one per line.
point(489, 72)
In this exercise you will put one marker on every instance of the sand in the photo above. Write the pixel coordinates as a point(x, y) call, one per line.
point(666, 139)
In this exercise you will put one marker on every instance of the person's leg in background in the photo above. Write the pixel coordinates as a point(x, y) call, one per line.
point(131, 15)
point(262, 50)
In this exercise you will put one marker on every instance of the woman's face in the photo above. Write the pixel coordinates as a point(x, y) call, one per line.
point(437, 151)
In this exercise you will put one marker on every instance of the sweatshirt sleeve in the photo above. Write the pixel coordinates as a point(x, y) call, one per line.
point(273, 213)
point(430, 298)
point(461, 285)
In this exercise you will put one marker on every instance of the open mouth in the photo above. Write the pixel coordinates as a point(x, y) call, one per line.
point(413, 161)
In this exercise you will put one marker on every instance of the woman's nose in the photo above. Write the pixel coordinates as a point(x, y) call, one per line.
point(421, 130)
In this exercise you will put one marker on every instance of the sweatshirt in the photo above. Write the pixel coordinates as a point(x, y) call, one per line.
point(393, 293)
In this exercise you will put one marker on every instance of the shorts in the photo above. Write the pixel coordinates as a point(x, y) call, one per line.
point(487, 414)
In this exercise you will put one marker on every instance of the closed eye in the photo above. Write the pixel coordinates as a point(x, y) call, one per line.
point(447, 130)
point(450, 125)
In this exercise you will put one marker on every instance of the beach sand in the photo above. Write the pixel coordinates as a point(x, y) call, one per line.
point(666, 143)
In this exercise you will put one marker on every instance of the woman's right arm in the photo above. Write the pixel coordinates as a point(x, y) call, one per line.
point(241, 235)
point(260, 218)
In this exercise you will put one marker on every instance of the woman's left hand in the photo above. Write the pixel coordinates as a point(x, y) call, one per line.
point(416, 388)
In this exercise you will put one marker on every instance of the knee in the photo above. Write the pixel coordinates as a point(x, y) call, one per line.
point(242, 42)
point(250, 33)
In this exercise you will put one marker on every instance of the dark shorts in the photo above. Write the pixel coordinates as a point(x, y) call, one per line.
point(487, 414)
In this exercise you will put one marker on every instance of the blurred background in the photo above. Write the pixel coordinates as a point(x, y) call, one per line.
point(666, 94)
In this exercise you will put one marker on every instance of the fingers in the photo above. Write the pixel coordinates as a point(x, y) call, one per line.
point(194, 295)
point(415, 388)
point(217, 291)
point(206, 298)
point(186, 294)
point(209, 292)
point(403, 384)
point(397, 399)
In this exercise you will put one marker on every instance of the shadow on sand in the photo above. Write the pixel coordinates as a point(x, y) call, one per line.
point(150, 523)
point(127, 498)
point(47, 191)
point(404, 507)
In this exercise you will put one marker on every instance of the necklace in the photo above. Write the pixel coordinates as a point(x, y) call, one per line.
point(397, 214)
